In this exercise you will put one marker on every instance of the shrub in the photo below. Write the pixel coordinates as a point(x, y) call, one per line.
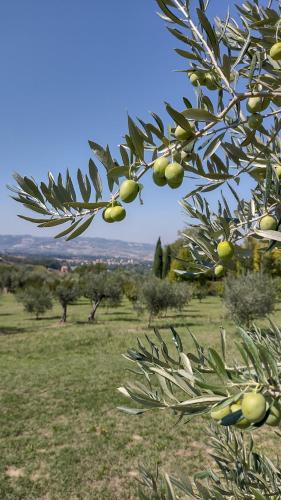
point(250, 296)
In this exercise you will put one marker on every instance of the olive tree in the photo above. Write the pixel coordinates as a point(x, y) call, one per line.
point(132, 288)
point(37, 300)
point(224, 135)
point(67, 290)
point(159, 295)
point(249, 297)
point(104, 286)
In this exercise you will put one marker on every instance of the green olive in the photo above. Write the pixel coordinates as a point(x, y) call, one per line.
point(257, 104)
point(129, 190)
point(160, 165)
point(242, 423)
point(194, 79)
point(118, 213)
point(220, 413)
point(268, 222)
point(219, 271)
point(274, 416)
point(183, 135)
point(174, 173)
point(225, 250)
point(275, 51)
point(253, 406)
point(255, 121)
point(210, 82)
point(107, 215)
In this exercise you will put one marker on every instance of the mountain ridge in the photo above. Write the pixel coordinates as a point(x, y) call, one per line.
point(28, 245)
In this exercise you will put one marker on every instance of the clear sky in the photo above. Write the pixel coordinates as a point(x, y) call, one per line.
point(70, 71)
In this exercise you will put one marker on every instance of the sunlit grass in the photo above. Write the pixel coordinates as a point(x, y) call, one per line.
point(61, 435)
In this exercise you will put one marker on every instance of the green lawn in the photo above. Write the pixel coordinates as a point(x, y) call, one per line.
point(61, 435)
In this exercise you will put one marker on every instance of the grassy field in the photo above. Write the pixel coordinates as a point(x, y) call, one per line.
point(60, 433)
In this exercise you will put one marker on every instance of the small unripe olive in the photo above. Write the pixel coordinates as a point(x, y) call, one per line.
point(118, 213)
point(210, 81)
point(107, 215)
point(194, 79)
point(174, 172)
point(128, 190)
point(183, 135)
point(253, 406)
point(274, 416)
point(243, 423)
point(159, 180)
point(219, 271)
point(225, 250)
point(257, 104)
point(220, 413)
point(275, 51)
point(255, 121)
point(268, 222)
point(160, 165)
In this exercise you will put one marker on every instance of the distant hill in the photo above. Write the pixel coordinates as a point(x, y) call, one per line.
point(26, 245)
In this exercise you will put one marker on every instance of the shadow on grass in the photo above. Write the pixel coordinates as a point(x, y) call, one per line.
point(100, 321)
point(44, 318)
point(11, 330)
point(125, 319)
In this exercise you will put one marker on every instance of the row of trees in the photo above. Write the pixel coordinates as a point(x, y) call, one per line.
point(246, 297)
point(36, 288)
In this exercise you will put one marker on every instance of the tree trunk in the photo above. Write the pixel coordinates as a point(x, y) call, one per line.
point(91, 317)
point(64, 312)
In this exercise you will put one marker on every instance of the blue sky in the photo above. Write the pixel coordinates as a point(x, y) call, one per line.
point(70, 71)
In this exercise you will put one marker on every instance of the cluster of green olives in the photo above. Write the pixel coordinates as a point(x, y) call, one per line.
point(255, 105)
point(165, 172)
point(252, 410)
point(203, 78)
point(114, 213)
point(225, 251)
point(128, 192)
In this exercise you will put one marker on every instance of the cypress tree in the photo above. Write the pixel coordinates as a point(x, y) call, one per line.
point(167, 259)
point(158, 260)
